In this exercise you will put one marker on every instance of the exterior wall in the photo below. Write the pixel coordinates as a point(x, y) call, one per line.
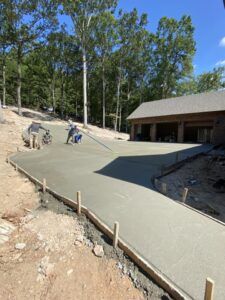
point(219, 130)
point(214, 119)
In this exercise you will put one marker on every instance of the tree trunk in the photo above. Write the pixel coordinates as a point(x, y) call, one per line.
point(117, 102)
point(62, 97)
point(85, 87)
point(3, 85)
point(19, 85)
point(53, 93)
point(76, 110)
point(141, 90)
point(120, 118)
point(103, 95)
point(1, 113)
point(128, 101)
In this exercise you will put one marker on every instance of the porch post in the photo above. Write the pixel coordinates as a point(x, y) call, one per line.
point(132, 132)
point(153, 132)
point(180, 136)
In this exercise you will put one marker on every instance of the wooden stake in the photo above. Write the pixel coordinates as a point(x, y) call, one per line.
point(209, 289)
point(44, 185)
point(16, 167)
point(78, 203)
point(164, 188)
point(184, 196)
point(116, 234)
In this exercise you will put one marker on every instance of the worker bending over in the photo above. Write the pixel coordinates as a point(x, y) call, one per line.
point(33, 131)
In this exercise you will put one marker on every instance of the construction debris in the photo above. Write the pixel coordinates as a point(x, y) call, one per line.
point(204, 178)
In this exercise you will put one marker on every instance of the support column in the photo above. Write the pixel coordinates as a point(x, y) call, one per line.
point(132, 132)
point(180, 136)
point(153, 132)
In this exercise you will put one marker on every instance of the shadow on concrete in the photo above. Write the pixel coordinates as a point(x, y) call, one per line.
point(140, 169)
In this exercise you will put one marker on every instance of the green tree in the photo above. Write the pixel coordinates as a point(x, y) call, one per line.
point(4, 46)
point(209, 81)
point(131, 58)
point(105, 38)
point(172, 56)
point(84, 15)
point(27, 23)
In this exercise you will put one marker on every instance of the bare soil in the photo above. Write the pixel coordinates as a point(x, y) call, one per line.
point(49, 253)
point(204, 178)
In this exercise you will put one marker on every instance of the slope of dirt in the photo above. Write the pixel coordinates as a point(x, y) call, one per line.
point(107, 133)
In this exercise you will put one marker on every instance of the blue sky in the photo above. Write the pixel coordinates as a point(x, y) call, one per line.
point(208, 17)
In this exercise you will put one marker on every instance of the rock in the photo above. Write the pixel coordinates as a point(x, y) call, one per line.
point(69, 272)
point(6, 228)
point(40, 237)
point(98, 251)
point(45, 268)
point(119, 265)
point(77, 243)
point(88, 243)
point(3, 239)
point(27, 218)
point(79, 240)
point(20, 246)
point(192, 181)
point(125, 271)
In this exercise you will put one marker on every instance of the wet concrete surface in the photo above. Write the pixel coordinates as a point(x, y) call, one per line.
point(116, 185)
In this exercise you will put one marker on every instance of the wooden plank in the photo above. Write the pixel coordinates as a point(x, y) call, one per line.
point(164, 188)
point(115, 234)
point(44, 185)
point(184, 195)
point(79, 203)
point(209, 289)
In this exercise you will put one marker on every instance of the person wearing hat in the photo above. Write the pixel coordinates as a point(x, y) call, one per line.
point(33, 131)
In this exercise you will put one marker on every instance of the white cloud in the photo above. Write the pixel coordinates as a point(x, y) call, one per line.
point(221, 63)
point(222, 42)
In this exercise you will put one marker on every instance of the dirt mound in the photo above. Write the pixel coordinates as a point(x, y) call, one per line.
point(57, 232)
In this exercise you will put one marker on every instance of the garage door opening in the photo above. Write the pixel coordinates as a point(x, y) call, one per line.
point(167, 132)
point(198, 134)
point(145, 132)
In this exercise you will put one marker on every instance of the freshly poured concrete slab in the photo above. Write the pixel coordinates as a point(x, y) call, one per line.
point(184, 245)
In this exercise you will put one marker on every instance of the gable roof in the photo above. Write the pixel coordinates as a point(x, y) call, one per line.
point(197, 103)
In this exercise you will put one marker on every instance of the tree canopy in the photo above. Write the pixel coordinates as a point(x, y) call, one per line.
point(103, 67)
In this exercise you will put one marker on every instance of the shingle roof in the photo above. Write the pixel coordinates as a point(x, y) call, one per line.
point(204, 102)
